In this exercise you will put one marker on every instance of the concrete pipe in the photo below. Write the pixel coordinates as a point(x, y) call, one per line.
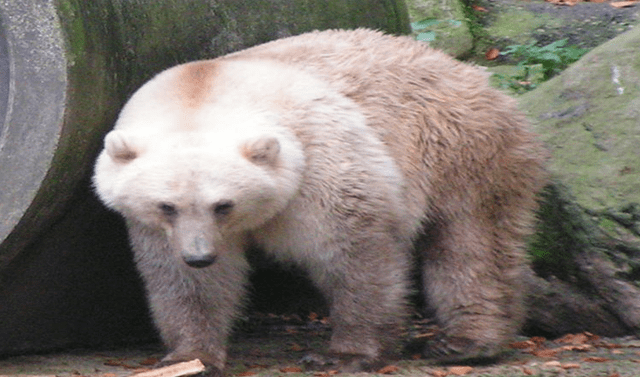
point(66, 68)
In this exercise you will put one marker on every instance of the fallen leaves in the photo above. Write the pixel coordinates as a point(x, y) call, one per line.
point(595, 359)
point(325, 374)
point(492, 54)
point(389, 369)
point(291, 370)
point(582, 342)
point(623, 4)
point(453, 371)
point(615, 4)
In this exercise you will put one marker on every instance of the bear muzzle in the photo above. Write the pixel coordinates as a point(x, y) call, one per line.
point(197, 252)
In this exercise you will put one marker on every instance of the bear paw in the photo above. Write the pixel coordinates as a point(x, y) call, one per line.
point(452, 349)
point(341, 363)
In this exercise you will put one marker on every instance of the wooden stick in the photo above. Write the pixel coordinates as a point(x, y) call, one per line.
point(176, 370)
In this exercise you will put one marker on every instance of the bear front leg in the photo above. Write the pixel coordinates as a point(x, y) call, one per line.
point(194, 308)
point(366, 284)
point(472, 278)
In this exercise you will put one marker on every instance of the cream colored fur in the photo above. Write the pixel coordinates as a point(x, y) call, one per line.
point(347, 152)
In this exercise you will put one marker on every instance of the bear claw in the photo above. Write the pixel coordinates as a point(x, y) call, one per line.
point(341, 363)
point(451, 349)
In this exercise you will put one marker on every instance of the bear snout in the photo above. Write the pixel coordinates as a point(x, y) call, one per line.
point(195, 249)
point(199, 261)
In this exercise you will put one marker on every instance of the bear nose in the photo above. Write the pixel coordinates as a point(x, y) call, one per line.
point(199, 261)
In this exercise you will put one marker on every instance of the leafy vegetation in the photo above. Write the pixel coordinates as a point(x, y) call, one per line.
point(547, 60)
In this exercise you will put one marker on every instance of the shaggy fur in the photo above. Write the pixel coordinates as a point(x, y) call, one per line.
point(341, 151)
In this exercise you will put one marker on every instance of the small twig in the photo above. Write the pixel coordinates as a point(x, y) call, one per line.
point(176, 370)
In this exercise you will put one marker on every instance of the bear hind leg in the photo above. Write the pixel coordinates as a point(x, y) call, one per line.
point(471, 278)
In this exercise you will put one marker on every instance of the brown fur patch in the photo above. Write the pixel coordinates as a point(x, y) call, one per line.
point(195, 82)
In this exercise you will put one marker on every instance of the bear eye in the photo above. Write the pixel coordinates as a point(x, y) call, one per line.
point(223, 207)
point(167, 209)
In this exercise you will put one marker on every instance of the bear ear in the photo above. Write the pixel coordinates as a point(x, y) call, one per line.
point(120, 147)
point(261, 151)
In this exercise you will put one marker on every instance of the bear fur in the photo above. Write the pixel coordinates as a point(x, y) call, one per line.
point(353, 154)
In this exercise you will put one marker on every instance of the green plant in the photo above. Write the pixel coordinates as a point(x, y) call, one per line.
point(424, 35)
point(553, 57)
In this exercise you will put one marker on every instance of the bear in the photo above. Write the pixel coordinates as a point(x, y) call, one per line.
point(356, 155)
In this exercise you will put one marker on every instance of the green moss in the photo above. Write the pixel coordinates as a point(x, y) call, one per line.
point(553, 246)
point(514, 25)
point(590, 129)
point(74, 29)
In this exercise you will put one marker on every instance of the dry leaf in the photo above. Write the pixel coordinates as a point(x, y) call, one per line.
point(258, 366)
point(149, 361)
point(296, 348)
point(595, 359)
point(570, 366)
point(623, 4)
point(564, 2)
point(615, 375)
point(313, 316)
point(291, 370)
point(527, 371)
point(492, 54)
point(579, 347)
point(592, 337)
point(439, 373)
point(389, 369)
point(522, 345)
point(460, 371)
point(573, 339)
point(246, 374)
point(552, 364)
point(545, 353)
point(479, 8)
point(538, 339)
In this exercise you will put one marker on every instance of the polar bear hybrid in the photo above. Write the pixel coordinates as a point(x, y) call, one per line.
point(353, 154)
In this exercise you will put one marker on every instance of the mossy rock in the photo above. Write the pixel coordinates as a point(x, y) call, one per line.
point(449, 27)
point(588, 117)
point(588, 239)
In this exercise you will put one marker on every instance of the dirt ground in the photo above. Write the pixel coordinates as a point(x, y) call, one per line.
point(273, 345)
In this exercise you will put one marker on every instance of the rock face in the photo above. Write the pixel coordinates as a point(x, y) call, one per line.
point(588, 246)
point(66, 67)
point(589, 117)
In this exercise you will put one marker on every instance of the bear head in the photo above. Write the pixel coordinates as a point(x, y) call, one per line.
point(201, 176)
